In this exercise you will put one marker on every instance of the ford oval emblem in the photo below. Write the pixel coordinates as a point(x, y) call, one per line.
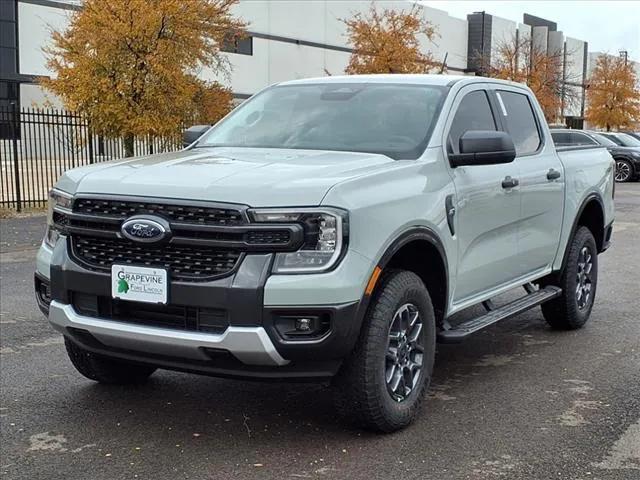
point(145, 229)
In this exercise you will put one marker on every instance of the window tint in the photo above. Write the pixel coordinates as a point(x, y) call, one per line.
point(581, 139)
point(613, 138)
point(474, 113)
point(241, 45)
point(626, 140)
point(603, 140)
point(571, 138)
point(561, 139)
point(521, 121)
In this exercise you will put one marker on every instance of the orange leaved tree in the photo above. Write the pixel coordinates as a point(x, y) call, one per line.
point(520, 60)
point(613, 94)
point(131, 66)
point(389, 41)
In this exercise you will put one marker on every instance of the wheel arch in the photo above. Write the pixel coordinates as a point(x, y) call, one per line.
point(420, 251)
point(590, 215)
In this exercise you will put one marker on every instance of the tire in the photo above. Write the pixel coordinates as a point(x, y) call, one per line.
point(572, 309)
point(362, 390)
point(624, 171)
point(106, 370)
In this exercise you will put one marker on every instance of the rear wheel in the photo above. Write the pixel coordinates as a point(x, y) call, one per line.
point(624, 171)
point(104, 369)
point(578, 282)
point(382, 384)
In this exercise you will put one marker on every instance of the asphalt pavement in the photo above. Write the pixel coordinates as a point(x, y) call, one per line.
point(518, 401)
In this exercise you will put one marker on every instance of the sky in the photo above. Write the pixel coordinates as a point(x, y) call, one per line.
point(608, 26)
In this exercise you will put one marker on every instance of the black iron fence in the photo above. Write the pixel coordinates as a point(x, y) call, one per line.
point(38, 145)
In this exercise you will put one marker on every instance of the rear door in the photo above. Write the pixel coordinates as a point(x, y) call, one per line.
point(541, 181)
point(487, 213)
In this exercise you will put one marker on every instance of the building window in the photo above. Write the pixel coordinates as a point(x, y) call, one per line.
point(8, 40)
point(239, 45)
point(9, 93)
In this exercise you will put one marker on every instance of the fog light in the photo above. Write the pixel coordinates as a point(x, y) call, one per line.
point(43, 294)
point(303, 324)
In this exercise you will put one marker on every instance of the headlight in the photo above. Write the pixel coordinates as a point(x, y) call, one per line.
point(325, 237)
point(58, 200)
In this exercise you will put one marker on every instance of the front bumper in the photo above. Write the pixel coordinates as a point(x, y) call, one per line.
point(250, 346)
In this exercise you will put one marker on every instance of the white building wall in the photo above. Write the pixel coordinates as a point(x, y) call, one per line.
point(34, 30)
point(503, 31)
point(450, 41)
point(539, 37)
point(525, 32)
point(555, 43)
point(574, 74)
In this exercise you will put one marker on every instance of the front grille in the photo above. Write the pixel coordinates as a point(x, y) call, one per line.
point(184, 262)
point(175, 213)
point(206, 241)
point(178, 317)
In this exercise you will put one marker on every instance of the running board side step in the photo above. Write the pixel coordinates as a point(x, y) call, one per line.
point(458, 333)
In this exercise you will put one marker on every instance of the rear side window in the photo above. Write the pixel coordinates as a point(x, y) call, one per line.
point(570, 138)
point(581, 139)
point(561, 139)
point(474, 113)
point(521, 121)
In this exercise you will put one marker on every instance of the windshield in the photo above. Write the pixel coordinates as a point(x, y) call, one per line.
point(602, 140)
point(627, 140)
point(391, 119)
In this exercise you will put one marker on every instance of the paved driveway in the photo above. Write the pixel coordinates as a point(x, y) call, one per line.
point(518, 401)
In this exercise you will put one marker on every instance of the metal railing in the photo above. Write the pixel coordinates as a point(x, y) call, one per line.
point(38, 145)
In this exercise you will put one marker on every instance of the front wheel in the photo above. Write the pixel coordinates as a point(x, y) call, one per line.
point(382, 384)
point(624, 171)
point(578, 281)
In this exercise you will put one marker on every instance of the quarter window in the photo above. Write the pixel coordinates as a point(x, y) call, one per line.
point(581, 139)
point(474, 113)
point(520, 121)
point(571, 138)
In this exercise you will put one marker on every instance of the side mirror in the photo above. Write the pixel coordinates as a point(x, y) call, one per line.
point(192, 134)
point(484, 147)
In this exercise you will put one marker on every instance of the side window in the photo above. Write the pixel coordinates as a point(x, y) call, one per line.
point(561, 139)
point(581, 139)
point(474, 113)
point(521, 121)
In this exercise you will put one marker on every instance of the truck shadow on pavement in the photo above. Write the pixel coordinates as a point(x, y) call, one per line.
point(188, 407)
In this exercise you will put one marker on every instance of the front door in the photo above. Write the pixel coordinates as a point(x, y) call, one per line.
point(487, 213)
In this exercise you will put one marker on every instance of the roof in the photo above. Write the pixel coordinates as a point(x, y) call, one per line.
point(425, 79)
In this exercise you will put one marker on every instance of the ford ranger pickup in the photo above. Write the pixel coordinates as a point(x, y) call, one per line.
point(327, 229)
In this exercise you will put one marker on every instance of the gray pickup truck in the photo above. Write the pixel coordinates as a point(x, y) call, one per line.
point(327, 229)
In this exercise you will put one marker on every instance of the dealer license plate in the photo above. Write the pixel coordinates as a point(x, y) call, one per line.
point(139, 284)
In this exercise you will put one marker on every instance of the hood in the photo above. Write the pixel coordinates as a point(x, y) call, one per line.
point(251, 176)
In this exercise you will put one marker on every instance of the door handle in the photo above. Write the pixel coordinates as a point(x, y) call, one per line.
point(553, 174)
point(509, 182)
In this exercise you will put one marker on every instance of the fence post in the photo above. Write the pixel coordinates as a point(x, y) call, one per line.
point(90, 140)
point(16, 163)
